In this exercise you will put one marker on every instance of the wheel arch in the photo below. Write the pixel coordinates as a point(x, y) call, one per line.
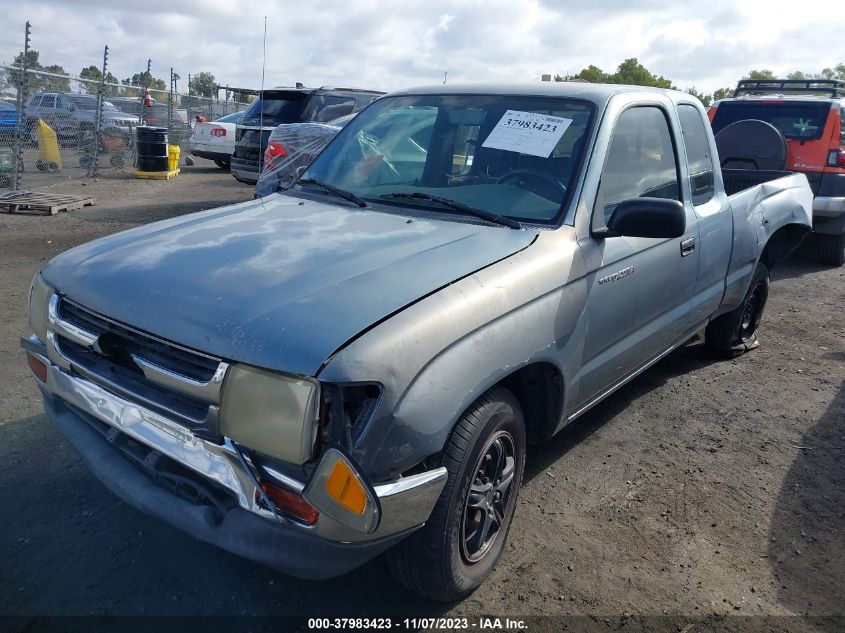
point(782, 243)
point(539, 389)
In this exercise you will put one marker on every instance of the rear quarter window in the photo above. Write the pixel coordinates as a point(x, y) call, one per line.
point(699, 156)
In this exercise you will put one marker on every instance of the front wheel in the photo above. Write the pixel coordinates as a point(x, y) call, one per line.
point(461, 542)
point(735, 333)
point(222, 164)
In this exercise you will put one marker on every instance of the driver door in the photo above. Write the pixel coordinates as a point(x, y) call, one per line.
point(640, 289)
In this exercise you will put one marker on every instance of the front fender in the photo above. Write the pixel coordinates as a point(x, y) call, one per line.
point(439, 355)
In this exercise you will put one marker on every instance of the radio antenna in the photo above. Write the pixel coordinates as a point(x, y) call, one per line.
point(260, 97)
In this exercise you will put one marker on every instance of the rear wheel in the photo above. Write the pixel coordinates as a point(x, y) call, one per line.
point(222, 164)
point(735, 333)
point(461, 542)
point(831, 249)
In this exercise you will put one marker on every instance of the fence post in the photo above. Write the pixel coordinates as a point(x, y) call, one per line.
point(20, 113)
point(144, 88)
point(170, 107)
point(92, 168)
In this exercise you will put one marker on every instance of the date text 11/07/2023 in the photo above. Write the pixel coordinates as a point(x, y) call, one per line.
point(418, 624)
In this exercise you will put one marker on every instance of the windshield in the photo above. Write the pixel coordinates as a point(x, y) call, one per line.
point(514, 156)
point(802, 120)
point(275, 107)
point(90, 103)
point(230, 118)
point(5, 105)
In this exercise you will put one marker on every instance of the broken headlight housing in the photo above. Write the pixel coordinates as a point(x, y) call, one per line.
point(273, 413)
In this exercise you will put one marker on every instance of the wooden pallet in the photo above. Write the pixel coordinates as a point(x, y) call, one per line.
point(42, 203)
point(157, 175)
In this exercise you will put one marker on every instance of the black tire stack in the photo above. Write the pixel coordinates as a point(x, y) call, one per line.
point(152, 148)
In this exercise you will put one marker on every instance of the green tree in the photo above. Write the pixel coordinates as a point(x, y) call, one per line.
point(593, 74)
point(760, 74)
point(632, 72)
point(722, 93)
point(837, 72)
point(629, 71)
point(145, 80)
point(704, 98)
point(203, 84)
point(55, 84)
point(95, 74)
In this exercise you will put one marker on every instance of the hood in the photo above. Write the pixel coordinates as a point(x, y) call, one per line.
point(278, 282)
point(118, 115)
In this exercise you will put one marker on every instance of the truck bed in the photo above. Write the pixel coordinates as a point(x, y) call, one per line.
point(737, 180)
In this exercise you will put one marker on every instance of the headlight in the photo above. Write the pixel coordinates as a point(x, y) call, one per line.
point(39, 298)
point(269, 412)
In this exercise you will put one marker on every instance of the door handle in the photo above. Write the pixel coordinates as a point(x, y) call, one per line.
point(687, 246)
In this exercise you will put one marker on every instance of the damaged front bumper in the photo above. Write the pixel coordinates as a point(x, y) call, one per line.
point(104, 428)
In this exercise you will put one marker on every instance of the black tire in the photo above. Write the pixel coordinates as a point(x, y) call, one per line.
point(223, 164)
point(830, 249)
point(453, 553)
point(735, 332)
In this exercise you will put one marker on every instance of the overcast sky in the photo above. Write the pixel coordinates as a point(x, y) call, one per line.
point(388, 45)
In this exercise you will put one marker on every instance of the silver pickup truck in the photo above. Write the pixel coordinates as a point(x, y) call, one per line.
point(357, 364)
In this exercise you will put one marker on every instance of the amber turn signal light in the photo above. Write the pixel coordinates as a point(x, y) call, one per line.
point(290, 503)
point(38, 368)
point(344, 487)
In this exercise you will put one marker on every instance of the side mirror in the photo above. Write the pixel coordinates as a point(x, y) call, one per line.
point(647, 217)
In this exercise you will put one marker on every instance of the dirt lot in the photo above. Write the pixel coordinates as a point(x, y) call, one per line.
point(704, 487)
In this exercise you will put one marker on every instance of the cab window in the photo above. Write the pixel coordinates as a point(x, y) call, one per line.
point(699, 156)
point(640, 162)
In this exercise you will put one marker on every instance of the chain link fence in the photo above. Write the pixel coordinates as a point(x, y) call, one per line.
point(56, 126)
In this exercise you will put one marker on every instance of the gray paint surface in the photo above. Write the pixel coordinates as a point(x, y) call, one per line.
point(305, 287)
point(279, 283)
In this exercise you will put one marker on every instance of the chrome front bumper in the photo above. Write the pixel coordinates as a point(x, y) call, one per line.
point(405, 503)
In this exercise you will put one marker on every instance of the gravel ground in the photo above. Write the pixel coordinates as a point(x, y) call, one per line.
point(704, 488)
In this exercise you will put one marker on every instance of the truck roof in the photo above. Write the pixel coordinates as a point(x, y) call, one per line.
point(598, 93)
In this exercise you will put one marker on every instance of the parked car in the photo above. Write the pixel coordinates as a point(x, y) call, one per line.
point(9, 121)
point(215, 140)
point(288, 105)
point(808, 121)
point(290, 148)
point(357, 364)
point(128, 105)
point(73, 116)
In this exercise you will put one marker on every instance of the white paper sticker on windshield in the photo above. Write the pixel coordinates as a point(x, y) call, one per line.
point(527, 133)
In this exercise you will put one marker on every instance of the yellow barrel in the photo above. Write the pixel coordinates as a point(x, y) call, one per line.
point(173, 152)
point(48, 142)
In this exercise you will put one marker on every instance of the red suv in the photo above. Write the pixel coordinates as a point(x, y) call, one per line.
point(809, 114)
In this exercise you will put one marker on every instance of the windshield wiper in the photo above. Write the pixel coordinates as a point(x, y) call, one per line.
point(458, 206)
point(341, 193)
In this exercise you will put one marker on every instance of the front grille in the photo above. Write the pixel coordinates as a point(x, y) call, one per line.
point(112, 364)
point(177, 359)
